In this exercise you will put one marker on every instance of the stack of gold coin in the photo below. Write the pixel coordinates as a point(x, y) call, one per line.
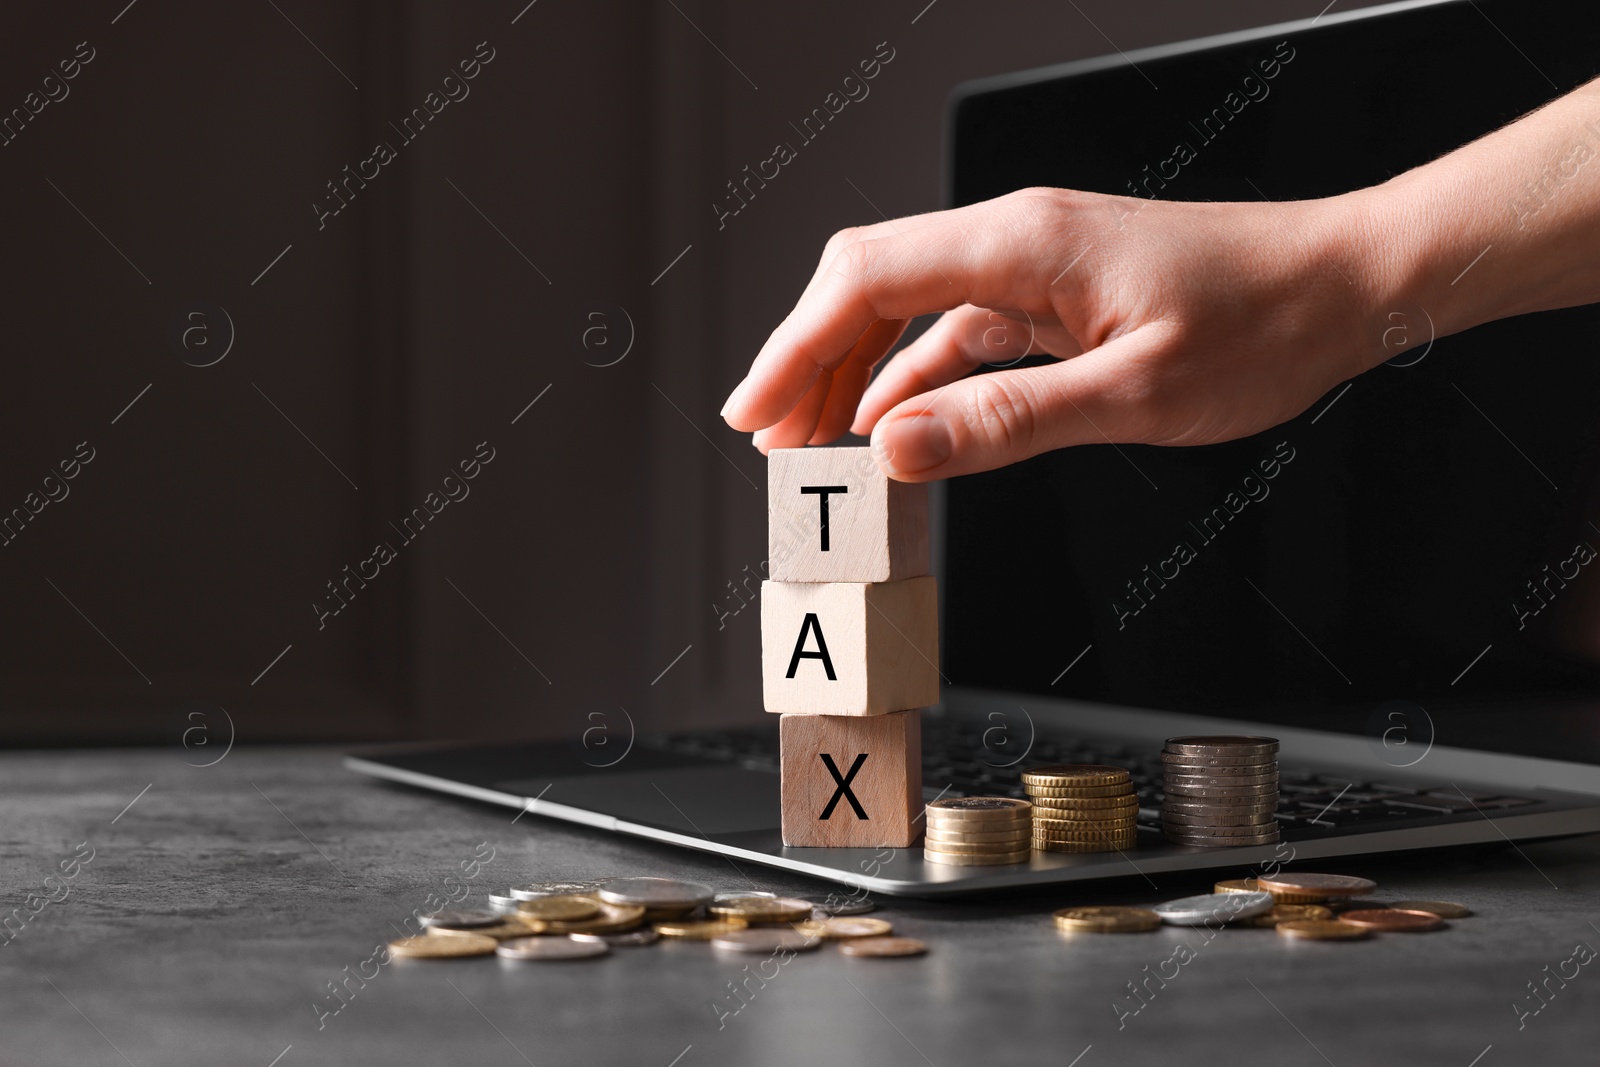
point(1082, 807)
point(1220, 791)
point(977, 831)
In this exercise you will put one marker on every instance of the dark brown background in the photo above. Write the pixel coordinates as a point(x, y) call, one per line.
point(600, 539)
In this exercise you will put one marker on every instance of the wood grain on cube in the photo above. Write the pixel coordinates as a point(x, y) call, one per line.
point(852, 782)
point(876, 528)
point(849, 648)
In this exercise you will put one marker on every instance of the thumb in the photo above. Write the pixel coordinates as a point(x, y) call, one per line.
point(991, 420)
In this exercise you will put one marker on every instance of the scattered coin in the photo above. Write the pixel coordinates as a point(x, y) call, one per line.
point(842, 928)
point(1332, 885)
point(1213, 907)
point(883, 947)
point(1442, 908)
point(743, 894)
point(765, 941)
point(662, 915)
point(1393, 920)
point(1322, 930)
point(441, 948)
point(700, 930)
point(510, 926)
point(1289, 913)
point(1074, 776)
point(1106, 919)
point(752, 910)
point(504, 905)
point(560, 908)
point(645, 936)
point(654, 892)
point(551, 889)
point(613, 918)
point(996, 860)
point(1237, 885)
point(551, 948)
point(460, 918)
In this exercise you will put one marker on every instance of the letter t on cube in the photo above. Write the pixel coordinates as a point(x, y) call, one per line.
point(833, 516)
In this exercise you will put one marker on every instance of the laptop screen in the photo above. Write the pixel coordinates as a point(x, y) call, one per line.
point(1428, 538)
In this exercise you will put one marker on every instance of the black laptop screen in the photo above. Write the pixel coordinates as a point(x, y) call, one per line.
point(1428, 536)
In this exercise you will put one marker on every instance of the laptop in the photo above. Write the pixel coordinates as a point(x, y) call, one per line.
point(1404, 601)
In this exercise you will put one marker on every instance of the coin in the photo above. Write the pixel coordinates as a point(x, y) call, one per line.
point(1237, 885)
point(700, 930)
point(1322, 930)
point(1392, 920)
point(504, 905)
point(1222, 746)
point(1074, 775)
point(1100, 808)
point(764, 910)
point(441, 948)
point(1121, 844)
point(1084, 825)
point(662, 915)
point(1270, 837)
point(1191, 806)
point(947, 848)
point(1184, 829)
point(1221, 818)
point(1442, 908)
point(883, 947)
point(1214, 907)
point(842, 929)
point(956, 837)
point(551, 889)
point(995, 826)
point(1106, 919)
point(646, 936)
point(1333, 885)
point(1289, 913)
point(995, 860)
point(744, 894)
point(976, 809)
point(1217, 781)
point(560, 908)
point(767, 940)
point(1082, 832)
point(654, 892)
point(1175, 759)
point(613, 918)
point(1070, 792)
point(511, 926)
point(1214, 792)
point(842, 906)
point(460, 918)
point(551, 948)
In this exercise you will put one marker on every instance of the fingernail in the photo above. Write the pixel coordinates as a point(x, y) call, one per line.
point(912, 445)
point(728, 403)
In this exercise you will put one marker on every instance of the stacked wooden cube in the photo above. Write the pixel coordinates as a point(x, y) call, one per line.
point(849, 646)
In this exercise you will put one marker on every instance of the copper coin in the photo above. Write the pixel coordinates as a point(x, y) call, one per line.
point(1290, 913)
point(1322, 930)
point(1333, 885)
point(1442, 908)
point(1392, 920)
point(883, 947)
point(1237, 885)
point(1227, 745)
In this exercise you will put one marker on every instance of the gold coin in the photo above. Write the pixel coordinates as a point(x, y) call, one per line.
point(1069, 792)
point(1329, 885)
point(764, 909)
point(976, 809)
point(510, 926)
point(1118, 822)
point(568, 908)
point(1321, 930)
point(1236, 885)
point(700, 930)
point(843, 928)
point(1074, 775)
point(613, 918)
point(987, 860)
point(428, 947)
point(996, 826)
point(1106, 919)
point(883, 947)
point(977, 838)
point(944, 849)
point(1048, 805)
point(1288, 913)
point(1120, 844)
point(1082, 832)
point(1442, 908)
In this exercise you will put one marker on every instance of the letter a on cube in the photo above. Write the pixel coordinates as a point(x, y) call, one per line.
point(833, 516)
point(849, 648)
point(851, 782)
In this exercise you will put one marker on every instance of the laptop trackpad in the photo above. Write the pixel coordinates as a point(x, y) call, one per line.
point(701, 800)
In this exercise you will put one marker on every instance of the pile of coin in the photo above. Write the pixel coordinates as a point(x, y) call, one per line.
point(584, 920)
point(1220, 791)
point(977, 831)
point(1082, 807)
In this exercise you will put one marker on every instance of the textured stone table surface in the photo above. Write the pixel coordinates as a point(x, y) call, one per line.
point(218, 907)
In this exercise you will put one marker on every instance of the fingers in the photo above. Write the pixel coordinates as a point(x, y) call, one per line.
point(851, 379)
point(796, 428)
point(895, 271)
point(989, 420)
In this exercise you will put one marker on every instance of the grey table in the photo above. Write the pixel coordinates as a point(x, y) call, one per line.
point(221, 901)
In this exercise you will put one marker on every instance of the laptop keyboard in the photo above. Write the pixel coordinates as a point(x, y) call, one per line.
point(962, 759)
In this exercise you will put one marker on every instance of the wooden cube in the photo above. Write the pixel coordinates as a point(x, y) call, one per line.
point(833, 516)
point(852, 782)
point(849, 648)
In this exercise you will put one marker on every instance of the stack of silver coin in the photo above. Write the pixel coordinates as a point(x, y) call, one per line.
point(1220, 791)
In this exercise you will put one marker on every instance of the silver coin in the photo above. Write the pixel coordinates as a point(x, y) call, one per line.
point(1218, 781)
point(645, 936)
point(1213, 907)
point(655, 892)
point(1237, 806)
point(765, 940)
point(1173, 759)
point(504, 905)
point(1194, 841)
point(1201, 829)
point(461, 918)
point(744, 894)
point(550, 948)
point(538, 890)
point(1222, 746)
point(1268, 791)
point(833, 906)
point(1220, 818)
